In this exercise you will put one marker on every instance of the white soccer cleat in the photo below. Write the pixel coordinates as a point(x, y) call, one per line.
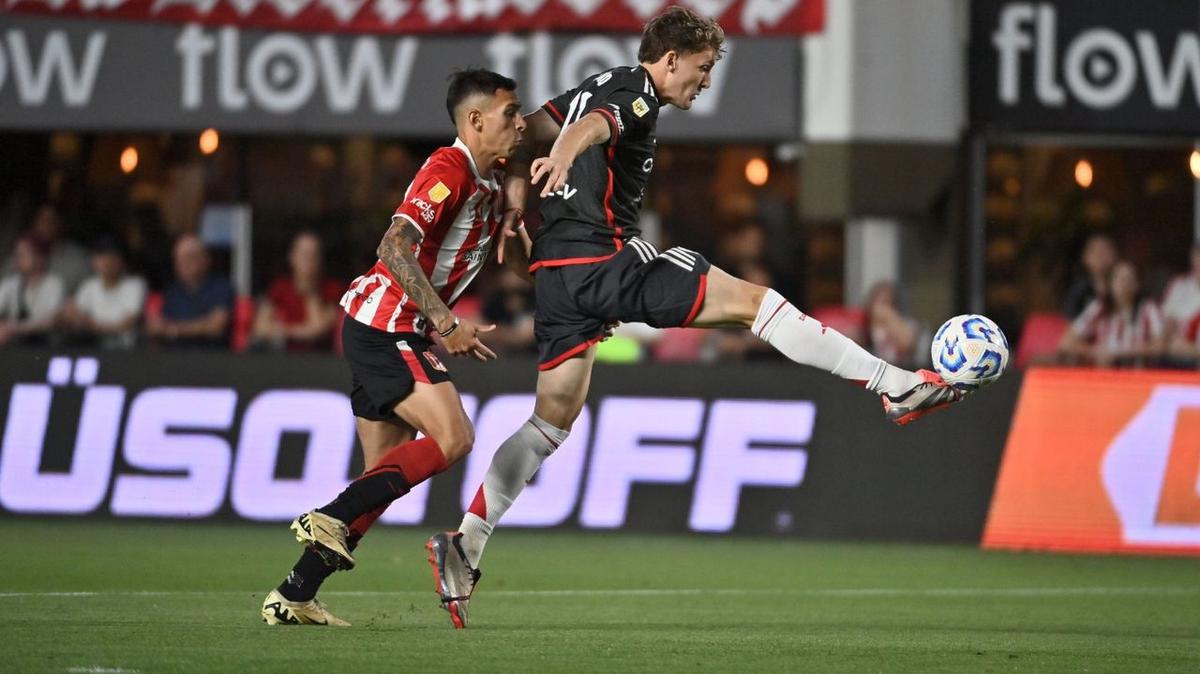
point(454, 579)
point(327, 535)
point(932, 394)
point(277, 610)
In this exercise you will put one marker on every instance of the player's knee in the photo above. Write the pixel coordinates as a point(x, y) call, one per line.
point(559, 409)
point(746, 301)
point(455, 440)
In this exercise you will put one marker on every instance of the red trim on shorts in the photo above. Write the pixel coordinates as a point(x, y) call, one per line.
point(699, 301)
point(570, 353)
point(566, 261)
point(549, 107)
point(414, 365)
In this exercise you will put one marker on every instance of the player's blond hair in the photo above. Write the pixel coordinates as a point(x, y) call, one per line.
point(682, 30)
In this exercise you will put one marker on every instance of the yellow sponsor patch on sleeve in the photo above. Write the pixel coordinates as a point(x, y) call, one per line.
point(439, 192)
point(640, 108)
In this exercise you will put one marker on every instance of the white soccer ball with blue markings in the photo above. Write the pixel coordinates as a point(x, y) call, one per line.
point(969, 351)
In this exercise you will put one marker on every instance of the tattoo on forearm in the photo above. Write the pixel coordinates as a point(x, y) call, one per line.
point(396, 252)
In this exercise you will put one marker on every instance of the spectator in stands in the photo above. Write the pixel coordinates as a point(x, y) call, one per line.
point(1183, 347)
point(508, 305)
point(300, 309)
point(1097, 260)
point(30, 298)
point(888, 333)
point(65, 259)
point(1122, 327)
point(1181, 302)
point(196, 305)
point(742, 246)
point(106, 308)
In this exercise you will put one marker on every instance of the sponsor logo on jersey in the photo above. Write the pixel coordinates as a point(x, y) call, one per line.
point(639, 107)
point(426, 208)
point(476, 254)
point(616, 112)
point(439, 192)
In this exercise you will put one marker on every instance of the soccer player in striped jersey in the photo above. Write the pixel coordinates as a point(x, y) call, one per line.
point(592, 269)
point(439, 238)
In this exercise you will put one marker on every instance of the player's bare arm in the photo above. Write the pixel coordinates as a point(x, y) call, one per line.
point(519, 246)
point(540, 132)
point(396, 251)
point(591, 129)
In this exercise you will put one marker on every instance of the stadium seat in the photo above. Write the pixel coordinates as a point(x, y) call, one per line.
point(845, 319)
point(1040, 336)
point(242, 324)
point(154, 305)
point(679, 345)
point(469, 307)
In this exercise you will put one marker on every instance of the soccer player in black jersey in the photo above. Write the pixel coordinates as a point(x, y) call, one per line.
point(591, 269)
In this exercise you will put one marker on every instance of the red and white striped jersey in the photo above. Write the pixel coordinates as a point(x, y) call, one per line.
point(1119, 332)
point(457, 211)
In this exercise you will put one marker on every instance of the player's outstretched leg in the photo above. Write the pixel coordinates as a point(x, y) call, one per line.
point(906, 395)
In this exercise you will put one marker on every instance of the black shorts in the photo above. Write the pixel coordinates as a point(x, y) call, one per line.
point(575, 302)
point(386, 366)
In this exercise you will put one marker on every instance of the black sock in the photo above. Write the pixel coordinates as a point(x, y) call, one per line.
point(373, 490)
point(306, 577)
point(310, 571)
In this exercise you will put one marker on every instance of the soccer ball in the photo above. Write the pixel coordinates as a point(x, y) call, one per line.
point(969, 351)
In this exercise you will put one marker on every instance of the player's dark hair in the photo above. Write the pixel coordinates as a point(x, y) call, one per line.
point(467, 83)
point(680, 29)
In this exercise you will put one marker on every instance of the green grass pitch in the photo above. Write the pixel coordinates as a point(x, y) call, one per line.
point(123, 597)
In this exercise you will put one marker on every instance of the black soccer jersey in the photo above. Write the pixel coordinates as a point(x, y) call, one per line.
point(597, 209)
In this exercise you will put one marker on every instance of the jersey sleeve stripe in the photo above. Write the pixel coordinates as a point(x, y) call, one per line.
point(410, 221)
point(549, 107)
point(614, 130)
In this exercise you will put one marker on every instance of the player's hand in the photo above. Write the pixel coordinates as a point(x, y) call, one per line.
point(464, 341)
point(555, 172)
point(510, 225)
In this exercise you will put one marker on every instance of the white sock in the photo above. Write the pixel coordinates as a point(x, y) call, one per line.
point(513, 466)
point(806, 341)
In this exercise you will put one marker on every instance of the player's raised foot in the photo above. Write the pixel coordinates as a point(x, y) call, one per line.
point(327, 535)
point(277, 610)
point(454, 579)
point(932, 394)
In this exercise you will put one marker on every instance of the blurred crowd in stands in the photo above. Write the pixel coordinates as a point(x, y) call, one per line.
point(118, 294)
